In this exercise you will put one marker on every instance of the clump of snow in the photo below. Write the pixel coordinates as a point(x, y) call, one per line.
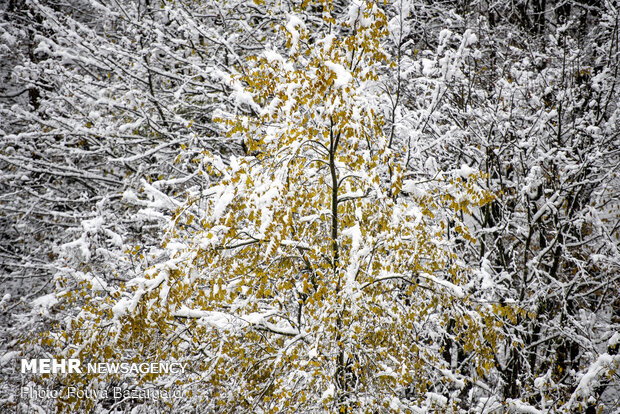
point(121, 307)
point(114, 238)
point(273, 56)
point(465, 171)
point(241, 97)
point(460, 384)
point(233, 164)
point(11, 40)
point(215, 319)
point(5, 299)
point(355, 234)
point(226, 196)
point(92, 226)
point(150, 214)
point(544, 381)
point(451, 287)
point(444, 37)
point(433, 398)
point(8, 357)
point(44, 303)
point(518, 406)
point(469, 38)
point(264, 203)
point(328, 41)
point(486, 274)
point(96, 283)
point(343, 76)
point(329, 392)
point(158, 199)
point(417, 190)
point(80, 247)
point(130, 197)
point(396, 26)
point(428, 67)
point(296, 244)
point(130, 126)
point(357, 14)
point(590, 379)
point(293, 26)
point(430, 165)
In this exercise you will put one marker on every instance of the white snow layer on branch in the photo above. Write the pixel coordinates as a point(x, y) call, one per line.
point(343, 77)
point(44, 303)
point(588, 382)
point(518, 406)
point(450, 287)
point(294, 23)
point(222, 320)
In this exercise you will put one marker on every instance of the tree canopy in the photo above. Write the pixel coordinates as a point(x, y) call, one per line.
point(316, 206)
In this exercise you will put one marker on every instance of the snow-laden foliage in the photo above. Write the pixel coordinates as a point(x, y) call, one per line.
point(528, 96)
point(310, 284)
point(106, 110)
point(363, 206)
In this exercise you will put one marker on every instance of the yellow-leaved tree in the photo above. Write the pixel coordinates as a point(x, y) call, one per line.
point(315, 279)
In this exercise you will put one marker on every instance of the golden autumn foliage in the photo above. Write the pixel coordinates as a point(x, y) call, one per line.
point(319, 278)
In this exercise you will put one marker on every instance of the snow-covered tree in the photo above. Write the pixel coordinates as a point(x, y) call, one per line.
point(100, 97)
point(311, 282)
point(421, 210)
point(527, 96)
